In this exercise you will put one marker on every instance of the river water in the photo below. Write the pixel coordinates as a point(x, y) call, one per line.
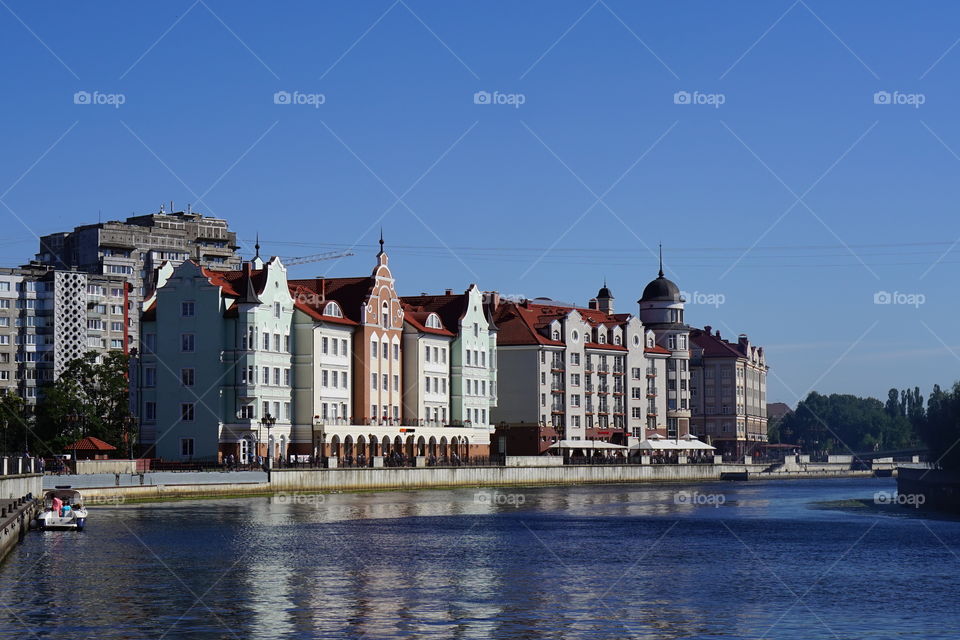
point(718, 560)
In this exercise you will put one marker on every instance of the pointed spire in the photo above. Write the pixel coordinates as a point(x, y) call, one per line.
point(381, 239)
point(661, 260)
point(257, 246)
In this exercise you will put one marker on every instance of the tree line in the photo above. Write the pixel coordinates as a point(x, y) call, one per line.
point(89, 398)
point(842, 423)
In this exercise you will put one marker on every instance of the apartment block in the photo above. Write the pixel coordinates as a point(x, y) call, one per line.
point(728, 391)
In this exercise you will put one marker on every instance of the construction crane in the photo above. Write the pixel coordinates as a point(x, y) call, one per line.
point(317, 257)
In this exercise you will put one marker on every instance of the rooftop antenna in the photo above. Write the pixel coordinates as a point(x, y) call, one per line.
point(661, 259)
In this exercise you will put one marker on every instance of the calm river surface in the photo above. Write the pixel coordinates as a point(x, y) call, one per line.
point(623, 561)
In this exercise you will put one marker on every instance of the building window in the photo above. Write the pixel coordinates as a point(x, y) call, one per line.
point(324, 376)
point(332, 309)
point(276, 309)
point(246, 412)
point(286, 411)
point(186, 412)
point(266, 375)
point(187, 342)
point(149, 376)
point(276, 376)
point(433, 322)
point(266, 341)
point(324, 345)
point(396, 382)
point(396, 351)
point(186, 309)
point(150, 411)
point(385, 316)
point(286, 377)
point(386, 382)
point(186, 377)
point(374, 351)
point(386, 350)
point(276, 342)
point(426, 354)
point(286, 342)
point(373, 385)
point(186, 447)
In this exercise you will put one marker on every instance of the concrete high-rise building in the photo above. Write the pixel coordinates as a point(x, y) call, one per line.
point(136, 247)
point(49, 317)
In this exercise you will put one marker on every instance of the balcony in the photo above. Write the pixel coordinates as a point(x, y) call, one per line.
point(651, 372)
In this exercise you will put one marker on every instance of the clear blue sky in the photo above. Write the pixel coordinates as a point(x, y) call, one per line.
point(500, 185)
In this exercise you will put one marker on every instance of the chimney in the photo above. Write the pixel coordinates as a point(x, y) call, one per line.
point(707, 329)
point(449, 292)
point(492, 299)
point(744, 342)
point(593, 304)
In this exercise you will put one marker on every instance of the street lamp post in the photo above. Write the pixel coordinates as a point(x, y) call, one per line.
point(130, 426)
point(268, 421)
point(74, 420)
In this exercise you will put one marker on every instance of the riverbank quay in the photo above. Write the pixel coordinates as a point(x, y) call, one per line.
point(936, 489)
point(513, 473)
point(21, 493)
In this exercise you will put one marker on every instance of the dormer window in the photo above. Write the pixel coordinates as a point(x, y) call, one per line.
point(556, 335)
point(602, 339)
point(433, 322)
point(332, 309)
point(616, 339)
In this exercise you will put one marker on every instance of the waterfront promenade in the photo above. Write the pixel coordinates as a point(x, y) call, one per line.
point(517, 471)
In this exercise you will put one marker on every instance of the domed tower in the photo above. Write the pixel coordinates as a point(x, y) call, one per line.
point(605, 299)
point(661, 311)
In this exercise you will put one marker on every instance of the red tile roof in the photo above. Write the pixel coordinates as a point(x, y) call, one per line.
point(417, 317)
point(520, 323)
point(609, 347)
point(349, 293)
point(91, 444)
point(715, 346)
point(657, 349)
point(450, 307)
point(314, 306)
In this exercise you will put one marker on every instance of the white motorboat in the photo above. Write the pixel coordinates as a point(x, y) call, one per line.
point(69, 514)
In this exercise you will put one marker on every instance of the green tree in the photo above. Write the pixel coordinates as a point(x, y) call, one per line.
point(13, 422)
point(941, 427)
point(96, 392)
point(840, 423)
